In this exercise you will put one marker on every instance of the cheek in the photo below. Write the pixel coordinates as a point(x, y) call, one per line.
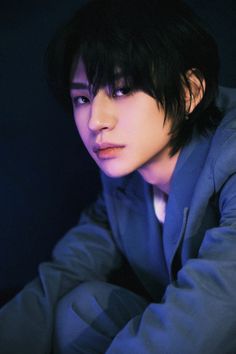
point(82, 129)
point(78, 124)
point(80, 121)
point(81, 118)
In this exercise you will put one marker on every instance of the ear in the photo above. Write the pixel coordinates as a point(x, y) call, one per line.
point(194, 91)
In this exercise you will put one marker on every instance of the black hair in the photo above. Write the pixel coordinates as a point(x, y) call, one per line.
point(154, 44)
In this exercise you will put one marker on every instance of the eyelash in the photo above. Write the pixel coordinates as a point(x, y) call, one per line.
point(126, 91)
point(76, 100)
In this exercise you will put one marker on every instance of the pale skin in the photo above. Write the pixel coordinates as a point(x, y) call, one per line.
point(124, 131)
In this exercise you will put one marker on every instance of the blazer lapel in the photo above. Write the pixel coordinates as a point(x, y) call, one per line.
point(140, 232)
point(185, 177)
point(149, 252)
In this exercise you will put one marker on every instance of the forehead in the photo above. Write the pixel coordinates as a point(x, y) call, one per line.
point(79, 74)
point(78, 71)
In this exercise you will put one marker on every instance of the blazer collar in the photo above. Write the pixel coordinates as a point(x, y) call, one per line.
point(134, 197)
point(140, 233)
point(186, 174)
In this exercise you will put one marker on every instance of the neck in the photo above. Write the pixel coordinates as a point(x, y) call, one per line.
point(159, 171)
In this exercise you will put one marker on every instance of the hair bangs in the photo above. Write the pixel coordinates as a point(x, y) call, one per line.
point(151, 48)
point(107, 63)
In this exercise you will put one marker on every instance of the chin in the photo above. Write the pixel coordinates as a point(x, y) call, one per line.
point(116, 172)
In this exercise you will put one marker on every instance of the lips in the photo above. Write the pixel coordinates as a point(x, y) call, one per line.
point(104, 146)
point(107, 150)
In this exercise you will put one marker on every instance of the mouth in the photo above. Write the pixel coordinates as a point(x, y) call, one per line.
point(107, 151)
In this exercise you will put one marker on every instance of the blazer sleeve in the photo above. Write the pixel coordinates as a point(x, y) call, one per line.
point(198, 311)
point(87, 252)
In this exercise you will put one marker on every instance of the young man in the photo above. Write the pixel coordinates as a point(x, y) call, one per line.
point(142, 79)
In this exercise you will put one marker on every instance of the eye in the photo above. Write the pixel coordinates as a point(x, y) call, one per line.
point(79, 100)
point(121, 91)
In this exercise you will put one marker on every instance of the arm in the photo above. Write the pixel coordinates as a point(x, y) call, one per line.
point(87, 252)
point(197, 314)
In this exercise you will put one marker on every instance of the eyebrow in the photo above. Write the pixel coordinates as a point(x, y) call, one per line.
point(79, 85)
point(85, 86)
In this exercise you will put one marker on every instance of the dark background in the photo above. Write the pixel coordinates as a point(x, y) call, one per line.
point(46, 177)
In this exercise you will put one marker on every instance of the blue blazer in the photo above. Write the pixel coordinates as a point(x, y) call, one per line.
point(188, 268)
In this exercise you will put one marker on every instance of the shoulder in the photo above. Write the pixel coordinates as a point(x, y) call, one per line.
point(226, 99)
point(222, 153)
point(226, 129)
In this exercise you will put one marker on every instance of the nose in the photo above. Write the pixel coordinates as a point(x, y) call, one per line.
point(102, 114)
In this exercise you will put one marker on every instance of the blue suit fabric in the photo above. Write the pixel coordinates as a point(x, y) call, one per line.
point(188, 268)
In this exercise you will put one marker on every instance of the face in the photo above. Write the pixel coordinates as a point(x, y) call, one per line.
point(123, 131)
